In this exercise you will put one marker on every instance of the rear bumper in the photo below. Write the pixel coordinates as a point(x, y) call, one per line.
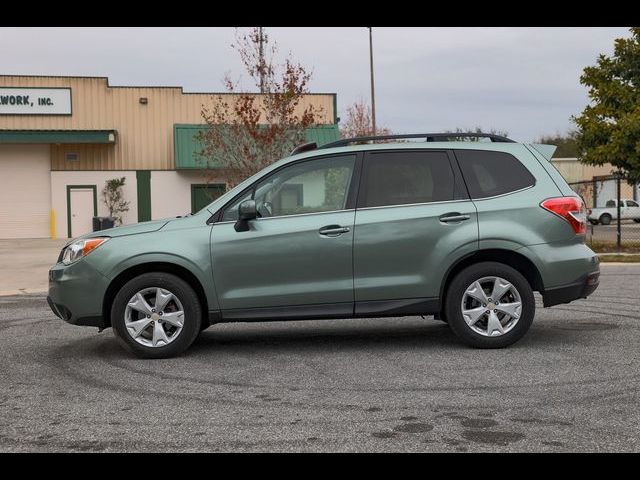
point(568, 293)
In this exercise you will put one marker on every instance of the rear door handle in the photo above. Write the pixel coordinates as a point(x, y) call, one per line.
point(453, 217)
point(333, 230)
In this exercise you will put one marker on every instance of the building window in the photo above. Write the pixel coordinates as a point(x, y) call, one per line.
point(71, 157)
point(203, 194)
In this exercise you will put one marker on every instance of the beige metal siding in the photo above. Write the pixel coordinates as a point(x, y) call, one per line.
point(574, 171)
point(25, 196)
point(145, 132)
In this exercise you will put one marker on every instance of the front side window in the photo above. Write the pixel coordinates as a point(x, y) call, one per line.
point(313, 186)
point(402, 178)
point(489, 173)
point(231, 212)
point(631, 203)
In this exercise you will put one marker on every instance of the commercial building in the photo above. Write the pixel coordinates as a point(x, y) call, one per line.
point(594, 182)
point(62, 138)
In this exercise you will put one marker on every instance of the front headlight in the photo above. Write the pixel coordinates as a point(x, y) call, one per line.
point(81, 248)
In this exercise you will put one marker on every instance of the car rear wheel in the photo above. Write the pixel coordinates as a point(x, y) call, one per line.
point(605, 219)
point(156, 315)
point(489, 305)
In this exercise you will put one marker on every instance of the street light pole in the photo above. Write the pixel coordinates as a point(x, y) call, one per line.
point(373, 96)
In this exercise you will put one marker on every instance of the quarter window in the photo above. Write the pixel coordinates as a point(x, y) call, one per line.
point(400, 178)
point(488, 173)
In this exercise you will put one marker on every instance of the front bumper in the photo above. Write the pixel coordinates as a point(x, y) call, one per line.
point(573, 291)
point(76, 293)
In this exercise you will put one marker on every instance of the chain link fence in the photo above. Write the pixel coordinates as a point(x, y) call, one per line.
point(613, 212)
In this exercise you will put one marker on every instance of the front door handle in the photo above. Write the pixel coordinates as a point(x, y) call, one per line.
point(453, 217)
point(333, 230)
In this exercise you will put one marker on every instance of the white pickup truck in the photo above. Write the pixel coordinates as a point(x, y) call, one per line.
point(629, 209)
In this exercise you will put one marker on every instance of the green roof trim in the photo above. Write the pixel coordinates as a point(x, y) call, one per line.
point(187, 148)
point(58, 136)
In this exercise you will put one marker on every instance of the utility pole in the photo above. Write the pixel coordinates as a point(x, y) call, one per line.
point(373, 96)
point(261, 41)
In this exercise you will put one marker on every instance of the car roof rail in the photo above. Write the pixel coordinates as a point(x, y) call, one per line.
point(305, 147)
point(429, 137)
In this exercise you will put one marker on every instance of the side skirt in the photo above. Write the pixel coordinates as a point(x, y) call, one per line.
point(369, 309)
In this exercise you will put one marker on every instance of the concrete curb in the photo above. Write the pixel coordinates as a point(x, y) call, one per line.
point(21, 291)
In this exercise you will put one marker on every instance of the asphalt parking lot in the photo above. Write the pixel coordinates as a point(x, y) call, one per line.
point(351, 385)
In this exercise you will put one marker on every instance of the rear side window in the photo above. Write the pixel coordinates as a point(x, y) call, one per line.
point(610, 204)
point(488, 174)
point(400, 178)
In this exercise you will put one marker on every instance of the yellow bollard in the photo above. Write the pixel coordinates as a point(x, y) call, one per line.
point(53, 224)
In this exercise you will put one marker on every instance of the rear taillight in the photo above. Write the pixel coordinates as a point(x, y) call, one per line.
point(572, 209)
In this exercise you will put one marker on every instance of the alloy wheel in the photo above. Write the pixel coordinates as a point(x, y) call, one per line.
point(491, 306)
point(154, 317)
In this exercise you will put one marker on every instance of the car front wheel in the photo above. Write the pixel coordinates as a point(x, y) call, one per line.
point(489, 305)
point(156, 315)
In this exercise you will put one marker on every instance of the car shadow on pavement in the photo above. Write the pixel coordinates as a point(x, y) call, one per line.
point(327, 336)
point(431, 335)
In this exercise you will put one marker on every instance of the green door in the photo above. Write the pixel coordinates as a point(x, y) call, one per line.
point(203, 194)
point(298, 252)
point(413, 219)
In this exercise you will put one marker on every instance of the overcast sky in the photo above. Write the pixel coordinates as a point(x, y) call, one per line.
point(522, 80)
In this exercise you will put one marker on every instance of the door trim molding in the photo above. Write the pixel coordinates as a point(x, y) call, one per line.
point(95, 203)
point(401, 307)
point(291, 312)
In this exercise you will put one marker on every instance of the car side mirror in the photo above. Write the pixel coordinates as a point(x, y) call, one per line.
point(246, 211)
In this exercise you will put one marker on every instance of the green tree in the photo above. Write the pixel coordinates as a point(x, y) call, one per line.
point(610, 124)
point(567, 144)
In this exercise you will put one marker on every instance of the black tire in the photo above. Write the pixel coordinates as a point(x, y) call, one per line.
point(442, 316)
point(454, 297)
point(605, 219)
point(637, 220)
point(190, 303)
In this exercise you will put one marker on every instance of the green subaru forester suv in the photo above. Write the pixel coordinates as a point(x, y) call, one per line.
point(462, 230)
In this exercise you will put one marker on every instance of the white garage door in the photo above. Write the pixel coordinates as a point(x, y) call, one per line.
point(25, 191)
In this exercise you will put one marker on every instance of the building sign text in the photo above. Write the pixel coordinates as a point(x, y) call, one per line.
point(35, 101)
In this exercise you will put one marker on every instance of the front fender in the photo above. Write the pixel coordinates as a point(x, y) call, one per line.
point(185, 248)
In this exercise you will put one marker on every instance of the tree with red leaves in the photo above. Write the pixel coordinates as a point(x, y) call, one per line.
point(359, 122)
point(249, 131)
